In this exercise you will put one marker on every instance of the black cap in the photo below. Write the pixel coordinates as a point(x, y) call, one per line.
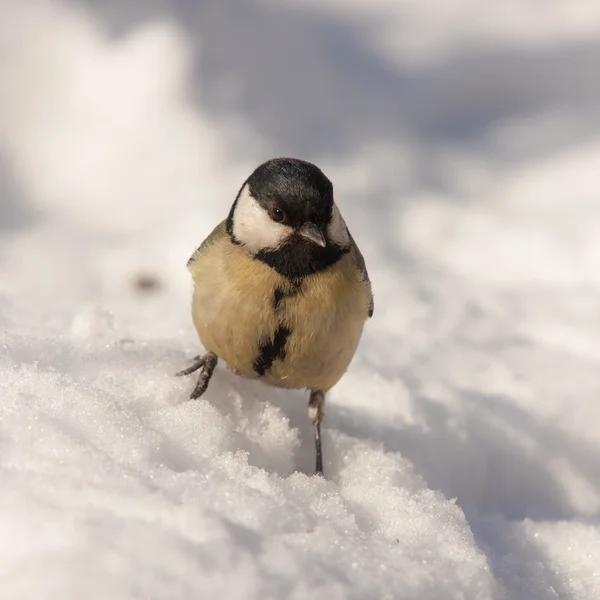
point(299, 188)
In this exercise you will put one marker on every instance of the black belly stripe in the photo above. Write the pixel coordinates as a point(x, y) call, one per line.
point(295, 287)
point(271, 350)
point(278, 296)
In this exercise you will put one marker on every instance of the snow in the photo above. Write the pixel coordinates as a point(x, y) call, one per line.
point(461, 448)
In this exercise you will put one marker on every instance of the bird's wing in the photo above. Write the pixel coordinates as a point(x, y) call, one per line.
point(216, 234)
point(360, 263)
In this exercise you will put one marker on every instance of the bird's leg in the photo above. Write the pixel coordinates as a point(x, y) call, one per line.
point(206, 363)
point(316, 412)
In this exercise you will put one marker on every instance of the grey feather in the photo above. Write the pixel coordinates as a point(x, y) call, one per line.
point(218, 232)
point(360, 263)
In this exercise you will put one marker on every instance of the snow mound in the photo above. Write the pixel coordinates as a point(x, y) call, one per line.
point(116, 485)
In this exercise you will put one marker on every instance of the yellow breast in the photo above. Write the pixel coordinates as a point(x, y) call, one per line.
point(262, 325)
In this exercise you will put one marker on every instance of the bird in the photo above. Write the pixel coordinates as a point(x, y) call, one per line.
point(281, 291)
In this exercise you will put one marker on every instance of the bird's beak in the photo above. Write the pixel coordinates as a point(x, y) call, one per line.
point(311, 232)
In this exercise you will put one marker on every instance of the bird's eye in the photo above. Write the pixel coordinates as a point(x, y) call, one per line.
point(277, 215)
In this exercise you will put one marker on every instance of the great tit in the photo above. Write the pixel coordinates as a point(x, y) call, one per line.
point(281, 290)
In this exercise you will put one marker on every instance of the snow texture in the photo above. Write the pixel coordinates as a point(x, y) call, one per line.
point(462, 447)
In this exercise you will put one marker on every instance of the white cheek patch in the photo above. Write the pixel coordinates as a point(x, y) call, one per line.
point(337, 231)
point(253, 227)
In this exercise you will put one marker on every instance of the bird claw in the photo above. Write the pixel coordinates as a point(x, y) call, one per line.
point(206, 363)
point(197, 363)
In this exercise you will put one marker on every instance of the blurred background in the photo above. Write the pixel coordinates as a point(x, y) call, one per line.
point(460, 140)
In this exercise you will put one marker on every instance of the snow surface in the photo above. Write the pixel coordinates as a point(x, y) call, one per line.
point(462, 448)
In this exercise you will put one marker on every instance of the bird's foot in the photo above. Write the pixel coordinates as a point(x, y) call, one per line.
point(206, 364)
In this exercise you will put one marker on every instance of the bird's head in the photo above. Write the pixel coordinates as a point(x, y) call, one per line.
point(285, 215)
